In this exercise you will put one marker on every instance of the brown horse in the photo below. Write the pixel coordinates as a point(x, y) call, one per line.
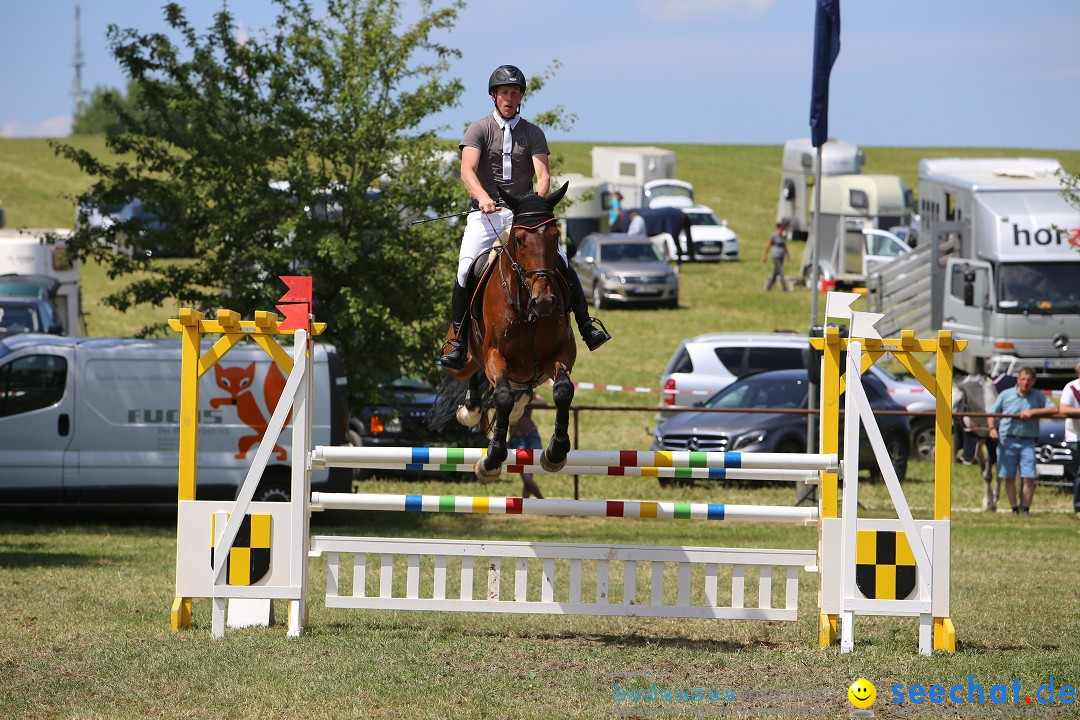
point(520, 333)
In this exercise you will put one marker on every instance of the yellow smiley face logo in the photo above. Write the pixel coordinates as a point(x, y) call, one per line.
point(862, 693)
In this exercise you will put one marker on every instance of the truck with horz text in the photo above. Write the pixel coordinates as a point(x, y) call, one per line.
point(999, 267)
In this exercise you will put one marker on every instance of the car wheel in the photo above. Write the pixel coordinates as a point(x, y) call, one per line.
point(922, 439)
point(898, 450)
point(597, 297)
point(274, 488)
point(673, 303)
point(356, 440)
point(789, 445)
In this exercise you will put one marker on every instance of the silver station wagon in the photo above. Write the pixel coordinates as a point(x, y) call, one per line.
point(618, 269)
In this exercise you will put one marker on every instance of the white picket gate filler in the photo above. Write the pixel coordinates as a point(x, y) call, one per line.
point(260, 551)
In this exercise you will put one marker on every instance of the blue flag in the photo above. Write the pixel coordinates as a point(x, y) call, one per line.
point(826, 48)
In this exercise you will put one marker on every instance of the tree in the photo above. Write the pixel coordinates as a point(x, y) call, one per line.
point(295, 153)
point(97, 117)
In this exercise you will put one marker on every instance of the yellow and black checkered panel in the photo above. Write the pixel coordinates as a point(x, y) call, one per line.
point(249, 559)
point(884, 565)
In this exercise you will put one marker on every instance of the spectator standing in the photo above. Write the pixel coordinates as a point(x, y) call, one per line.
point(1016, 435)
point(615, 210)
point(1069, 406)
point(524, 435)
point(777, 249)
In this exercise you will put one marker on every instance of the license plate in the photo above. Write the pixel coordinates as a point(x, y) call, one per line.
point(644, 291)
point(1058, 470)
point(710, 249)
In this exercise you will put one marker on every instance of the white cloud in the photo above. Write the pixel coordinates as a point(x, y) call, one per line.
point(56, 126)
point(679, 10)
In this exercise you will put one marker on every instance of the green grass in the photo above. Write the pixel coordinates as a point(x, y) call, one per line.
point(86, 594)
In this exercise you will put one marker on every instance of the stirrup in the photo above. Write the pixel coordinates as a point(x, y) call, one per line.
point(593, 333)
point(454, 358)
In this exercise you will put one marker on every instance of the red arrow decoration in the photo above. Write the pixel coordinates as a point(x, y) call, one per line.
point(296, 316)
point(299, 288)
point(297, 311)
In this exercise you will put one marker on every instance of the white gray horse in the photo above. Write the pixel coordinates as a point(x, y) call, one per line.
point(976, 393)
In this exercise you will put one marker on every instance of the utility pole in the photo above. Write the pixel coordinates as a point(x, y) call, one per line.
point(76, 88)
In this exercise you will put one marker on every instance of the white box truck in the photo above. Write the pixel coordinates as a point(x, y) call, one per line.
point(582, 210)
point(24, 252)
point(96, 420)
point(1000, 267)
point(856, 212)
point(798, 169)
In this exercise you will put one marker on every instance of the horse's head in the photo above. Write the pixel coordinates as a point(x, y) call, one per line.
point(533, 246)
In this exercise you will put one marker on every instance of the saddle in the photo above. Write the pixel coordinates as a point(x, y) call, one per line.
point(477, 280)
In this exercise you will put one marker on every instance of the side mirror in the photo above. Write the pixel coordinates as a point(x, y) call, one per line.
point(571, 249)
point(969, 288)
point(56, 329)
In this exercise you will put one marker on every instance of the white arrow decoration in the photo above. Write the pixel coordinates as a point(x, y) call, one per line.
point(862, 324)
point(838, 305)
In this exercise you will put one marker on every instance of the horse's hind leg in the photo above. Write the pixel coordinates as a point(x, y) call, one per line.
point(554, 457)
point(468, 414)
point(489, 467)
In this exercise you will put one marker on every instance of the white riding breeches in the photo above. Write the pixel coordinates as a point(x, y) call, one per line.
point(480, 233)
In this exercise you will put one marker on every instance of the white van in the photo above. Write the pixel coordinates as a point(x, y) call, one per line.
point(95, 420)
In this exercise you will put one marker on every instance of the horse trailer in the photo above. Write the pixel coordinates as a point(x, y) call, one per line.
point(1000, 268)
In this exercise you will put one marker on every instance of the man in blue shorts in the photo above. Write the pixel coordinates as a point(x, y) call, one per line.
point(1016, 435)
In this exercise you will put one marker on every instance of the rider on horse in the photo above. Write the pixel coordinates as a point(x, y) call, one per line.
point(504, 150)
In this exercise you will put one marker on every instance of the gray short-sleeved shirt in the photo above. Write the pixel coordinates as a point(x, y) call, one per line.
point(486, 135)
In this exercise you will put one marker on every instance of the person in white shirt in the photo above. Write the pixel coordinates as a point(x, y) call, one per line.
point(1069, 406)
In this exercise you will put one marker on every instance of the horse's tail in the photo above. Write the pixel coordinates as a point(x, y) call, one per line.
point(442, 415)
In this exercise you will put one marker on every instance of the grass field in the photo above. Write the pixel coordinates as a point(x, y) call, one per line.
point(86, 594)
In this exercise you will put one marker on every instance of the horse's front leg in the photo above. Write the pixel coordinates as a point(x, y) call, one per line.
point(489, 467)
point(562, 393)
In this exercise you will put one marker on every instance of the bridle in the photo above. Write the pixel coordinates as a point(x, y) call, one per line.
point(526, 278)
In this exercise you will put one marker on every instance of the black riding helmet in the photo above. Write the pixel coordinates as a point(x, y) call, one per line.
point(506, 75)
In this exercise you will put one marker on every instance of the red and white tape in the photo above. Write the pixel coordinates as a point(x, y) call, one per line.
point(628, 388)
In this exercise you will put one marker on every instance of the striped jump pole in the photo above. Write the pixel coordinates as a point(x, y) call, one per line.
point(331, 456)
point(579, 508)
point(686, 473)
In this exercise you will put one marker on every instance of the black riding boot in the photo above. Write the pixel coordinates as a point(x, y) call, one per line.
point(454, 358)
point(593, 332)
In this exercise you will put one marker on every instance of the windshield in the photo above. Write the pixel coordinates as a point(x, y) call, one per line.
point(670, 191)
point(19, 318)
point(761, 392)
point(884, 246)
point(702, 218)
point(1039, 288)
point(629, 252)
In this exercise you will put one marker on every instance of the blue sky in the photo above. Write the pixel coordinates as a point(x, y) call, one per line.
point(980, 73)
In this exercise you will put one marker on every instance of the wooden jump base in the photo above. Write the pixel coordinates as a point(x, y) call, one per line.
point(561, 578)
point(568, 577)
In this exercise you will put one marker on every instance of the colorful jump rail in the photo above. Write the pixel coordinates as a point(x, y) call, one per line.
point(327, 456)
point(644, 509)
point(683, 473)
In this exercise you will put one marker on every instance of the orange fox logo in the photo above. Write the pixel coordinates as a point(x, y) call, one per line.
point(237, 382)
